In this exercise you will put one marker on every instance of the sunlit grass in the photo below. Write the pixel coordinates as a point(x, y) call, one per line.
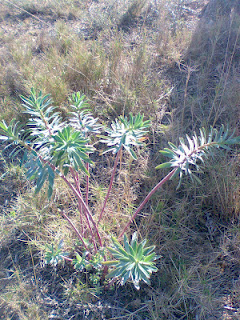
point(65, 46)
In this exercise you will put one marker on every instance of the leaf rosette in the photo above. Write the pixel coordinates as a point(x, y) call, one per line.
point(134, 261)
point(126, 133)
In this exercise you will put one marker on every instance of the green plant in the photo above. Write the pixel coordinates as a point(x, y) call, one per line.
point(55, 255)
point(188, 156)
point(54, 147)
point(84, 262)
point(123, 134)
point(134, 261)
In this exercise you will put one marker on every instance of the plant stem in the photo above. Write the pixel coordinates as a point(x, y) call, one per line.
point(75, 177)
point(165, 179)
point(76, 180)
point(87, 186)
point(76, 192)
point(110, 184)
point(75, 229)
point(67, 259)
point(88, 213)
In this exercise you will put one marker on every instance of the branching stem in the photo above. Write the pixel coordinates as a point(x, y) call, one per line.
point(85, 207)
point(87, 186)
point(165, 179)
point(75, 229)
point(110, 184)
point(77, 194)
point(76, 179)
point(74, 174)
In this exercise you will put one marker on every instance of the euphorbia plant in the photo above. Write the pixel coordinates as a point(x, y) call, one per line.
point(134, 261)
point(54, 147)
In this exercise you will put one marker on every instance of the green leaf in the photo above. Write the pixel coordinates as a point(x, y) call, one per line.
point(125, 277)
point(51, 177)
point(133, 154)
point(186, 157)
point(133, 261)
point(126, 243)
point(126, 133)
point(148, 250)
point(115, 273)
point(167, 152)
point(151, 257)
point(164, 165)
point(70, 148)
point(41, 179)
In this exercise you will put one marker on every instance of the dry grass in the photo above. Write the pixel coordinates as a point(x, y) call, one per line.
point(127, 56)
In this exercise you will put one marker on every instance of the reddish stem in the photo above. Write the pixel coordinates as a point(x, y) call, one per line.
point(88, 213)
point(75, 229)
point(74, 173)
point(67, 259)
point(87, 186)
point(110, 184)
point(165, 179)
point(77, 194)
point(76, 180)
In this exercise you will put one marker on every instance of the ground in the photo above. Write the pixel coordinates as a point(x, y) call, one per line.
point(178, 64)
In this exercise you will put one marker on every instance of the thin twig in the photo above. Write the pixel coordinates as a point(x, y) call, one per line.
point(77, 194)
point(88, 213)
point(75, 229)
point(165, 179)
point(74, 174)
point(110, 184)
point(87, 186)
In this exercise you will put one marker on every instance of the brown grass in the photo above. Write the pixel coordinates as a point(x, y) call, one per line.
point(130, 56)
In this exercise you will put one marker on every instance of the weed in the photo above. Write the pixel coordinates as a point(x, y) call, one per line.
point(140, 70)
point(53, 147)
